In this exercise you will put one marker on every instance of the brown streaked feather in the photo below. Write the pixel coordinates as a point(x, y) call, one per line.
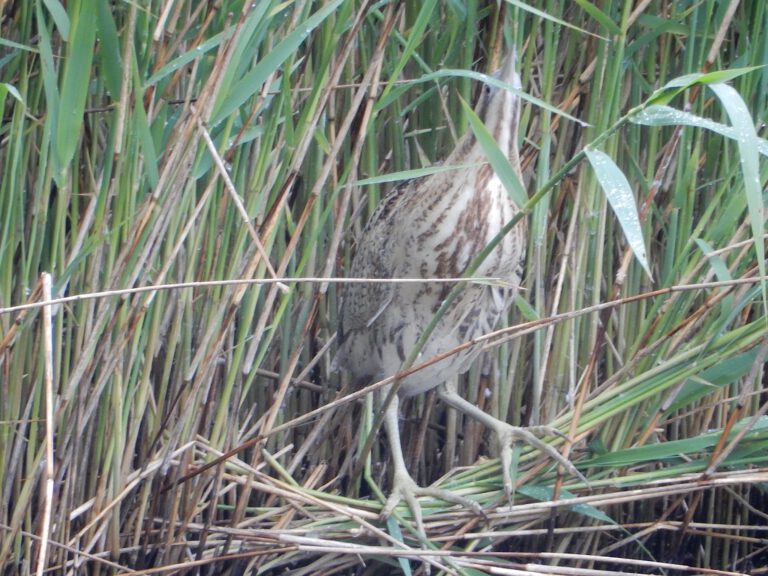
point(434, 227)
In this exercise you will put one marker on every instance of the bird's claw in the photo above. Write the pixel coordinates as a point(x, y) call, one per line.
point(508, 436)
point(406, 488)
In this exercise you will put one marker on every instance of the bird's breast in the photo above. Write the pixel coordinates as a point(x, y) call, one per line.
point(433, 228)
point(466, 216)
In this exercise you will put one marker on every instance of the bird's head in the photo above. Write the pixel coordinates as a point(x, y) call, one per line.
point(499, 108)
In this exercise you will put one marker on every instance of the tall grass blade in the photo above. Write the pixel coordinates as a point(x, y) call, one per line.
point(657, 115)
point(5, 90)
point(619, 193)
point(190, 55)
point(110, 60)
point(415, 38)
point(666, 93)
point(547, 16)
point(746, 138)
point(75, 82)
point(251, 82)
point(498, 160)
point(409, 174)
point(60, 17)
point(599, 16)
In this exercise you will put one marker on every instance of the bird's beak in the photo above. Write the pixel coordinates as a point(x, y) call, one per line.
point(501, 113)
point(508, 71)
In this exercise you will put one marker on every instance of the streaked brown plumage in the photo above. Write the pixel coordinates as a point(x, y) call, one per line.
point(434, 227)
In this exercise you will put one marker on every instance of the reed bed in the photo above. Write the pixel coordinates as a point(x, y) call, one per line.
point(182, 186)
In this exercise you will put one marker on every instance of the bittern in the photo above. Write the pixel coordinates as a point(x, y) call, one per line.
point(433, 227)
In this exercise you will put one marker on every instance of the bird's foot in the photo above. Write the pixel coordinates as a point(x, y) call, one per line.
point(406, 488)
point(508, 435)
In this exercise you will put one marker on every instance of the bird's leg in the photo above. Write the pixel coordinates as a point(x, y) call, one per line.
point(506, 435)
point(404, 486)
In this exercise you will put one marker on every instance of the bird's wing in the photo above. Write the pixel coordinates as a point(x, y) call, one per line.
point(364, 303)
point(376, 257)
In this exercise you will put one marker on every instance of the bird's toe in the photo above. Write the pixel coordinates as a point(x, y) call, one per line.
point(405, 488)
point(508, 436)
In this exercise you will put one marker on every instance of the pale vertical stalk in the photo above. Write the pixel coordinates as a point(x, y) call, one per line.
point(540, 222)
point(49, 424)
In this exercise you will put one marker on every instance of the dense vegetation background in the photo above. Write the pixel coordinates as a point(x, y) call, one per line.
point(166, 142)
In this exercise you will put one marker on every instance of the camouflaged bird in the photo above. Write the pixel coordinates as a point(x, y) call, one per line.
point(433, 227)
